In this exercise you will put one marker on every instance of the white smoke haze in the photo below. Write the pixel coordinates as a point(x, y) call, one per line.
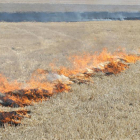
point(51, 77)
point(68, 16)
point(68, 10)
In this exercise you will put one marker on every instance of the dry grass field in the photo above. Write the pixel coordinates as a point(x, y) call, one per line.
point(107, 109)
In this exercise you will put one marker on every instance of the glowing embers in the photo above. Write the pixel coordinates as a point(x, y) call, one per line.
point(23, 97)
point(13, 117)
point(33, 91)
point(114, 67)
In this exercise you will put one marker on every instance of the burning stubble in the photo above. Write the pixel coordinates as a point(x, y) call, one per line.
point(43, 84)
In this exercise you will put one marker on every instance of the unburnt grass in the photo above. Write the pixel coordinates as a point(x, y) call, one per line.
point(105, 109)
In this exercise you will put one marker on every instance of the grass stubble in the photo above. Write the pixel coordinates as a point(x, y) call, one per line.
point(105, 109)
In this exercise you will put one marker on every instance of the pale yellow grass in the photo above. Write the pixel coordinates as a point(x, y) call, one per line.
point(107, 109)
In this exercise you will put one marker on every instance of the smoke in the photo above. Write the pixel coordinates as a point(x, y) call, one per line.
point(67, 16)
point(54, 76)
point(53, 12)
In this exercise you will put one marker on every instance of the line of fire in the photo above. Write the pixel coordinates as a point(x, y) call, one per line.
point(43, 84)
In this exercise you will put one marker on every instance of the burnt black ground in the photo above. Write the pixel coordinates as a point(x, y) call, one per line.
point(67, 16)
point(47, 12)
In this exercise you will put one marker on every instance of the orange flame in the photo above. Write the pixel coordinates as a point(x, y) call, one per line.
point(6, 86)
point(87, 60)
point(38, 88)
